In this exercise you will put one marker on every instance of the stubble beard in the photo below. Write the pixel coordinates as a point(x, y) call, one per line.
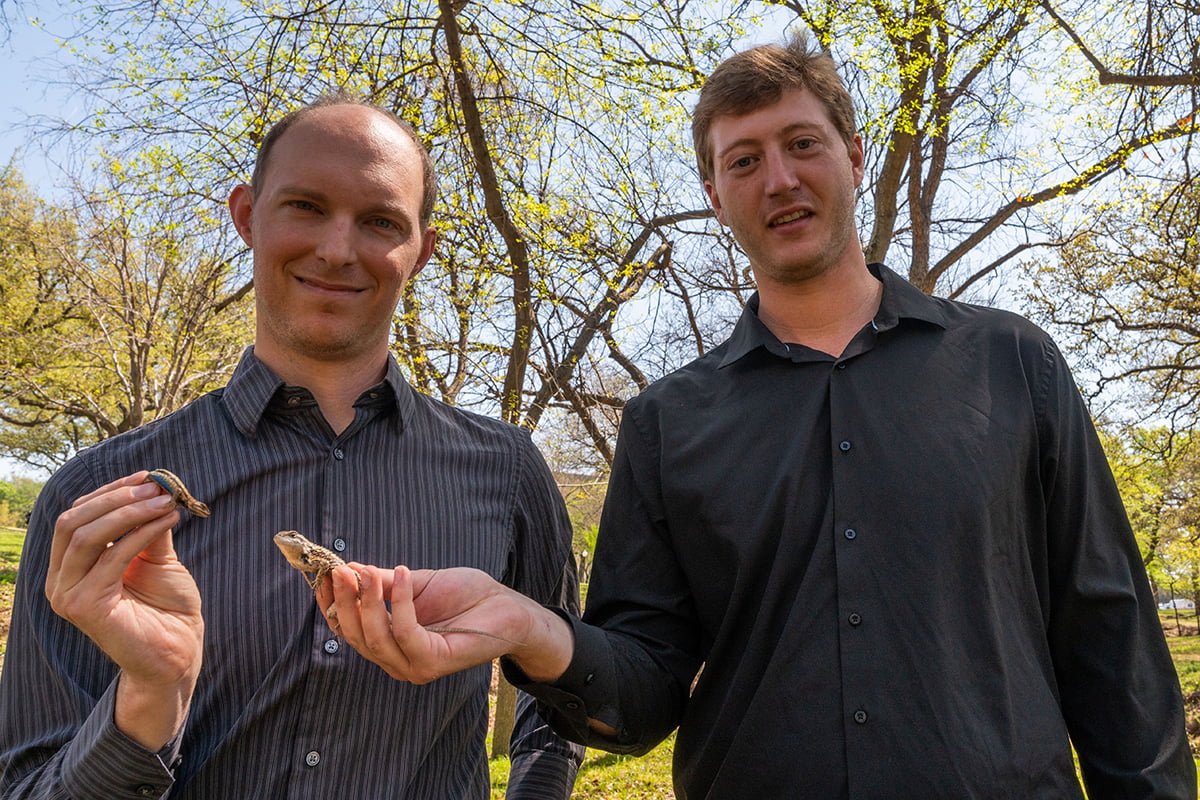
point(841, 235)
point(332, 342)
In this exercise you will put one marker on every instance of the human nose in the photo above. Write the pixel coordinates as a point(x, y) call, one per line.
point(781, 177)
point(336, 244)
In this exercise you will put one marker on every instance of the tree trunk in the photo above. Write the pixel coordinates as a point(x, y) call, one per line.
point(506, 714)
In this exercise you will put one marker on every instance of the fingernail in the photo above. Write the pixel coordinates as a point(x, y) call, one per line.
point(162, 501)
point(145, 490)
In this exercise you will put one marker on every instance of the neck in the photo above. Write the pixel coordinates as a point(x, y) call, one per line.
point(335, 384)
point(823, 312)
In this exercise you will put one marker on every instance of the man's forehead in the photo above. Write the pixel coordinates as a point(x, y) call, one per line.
point(795, 109)
point(357, 136)
point(347, 121)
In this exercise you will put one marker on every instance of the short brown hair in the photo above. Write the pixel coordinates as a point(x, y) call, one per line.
point(428, 174)
point(758, 77)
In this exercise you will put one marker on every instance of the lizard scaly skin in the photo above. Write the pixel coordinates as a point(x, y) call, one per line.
point(311, 558)
point(173, 486)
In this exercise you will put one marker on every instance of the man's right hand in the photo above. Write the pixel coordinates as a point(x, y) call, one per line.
point(423, 624)
point(113, 573)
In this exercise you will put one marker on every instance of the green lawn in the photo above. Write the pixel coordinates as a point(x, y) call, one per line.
point(605, 776)
point(10, 553)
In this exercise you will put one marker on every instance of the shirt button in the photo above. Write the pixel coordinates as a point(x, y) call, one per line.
point(339, 544)
point(338, 454)
point(332, 646)
point(293, 401)
point(850, 533)
point(845, 446)
point(842, 365)
point(146, 790)
point(854, 619)
point(860, 717)
point(313, 758)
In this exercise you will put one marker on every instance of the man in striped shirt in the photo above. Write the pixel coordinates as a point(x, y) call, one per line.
point(117, 683)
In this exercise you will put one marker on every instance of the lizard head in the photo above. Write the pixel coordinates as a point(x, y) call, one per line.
point(295, 548)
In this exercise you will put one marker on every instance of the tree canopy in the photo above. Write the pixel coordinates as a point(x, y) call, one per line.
point(578, 259)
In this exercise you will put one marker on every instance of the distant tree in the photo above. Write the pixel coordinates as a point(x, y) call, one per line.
point(1158, 473)
point(109, 317)
point(1126, 294)
point(17, 496)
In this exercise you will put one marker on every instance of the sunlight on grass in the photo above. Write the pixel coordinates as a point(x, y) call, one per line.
point(10, 553)
point(605, 776)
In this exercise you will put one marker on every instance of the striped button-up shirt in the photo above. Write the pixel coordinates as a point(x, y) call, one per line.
point(283, 709)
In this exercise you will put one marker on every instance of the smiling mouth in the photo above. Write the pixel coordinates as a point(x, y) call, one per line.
point(327, 287)
point(795, 215)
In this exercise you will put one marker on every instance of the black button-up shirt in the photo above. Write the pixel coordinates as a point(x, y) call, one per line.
point(282, 708)
point(906, 572)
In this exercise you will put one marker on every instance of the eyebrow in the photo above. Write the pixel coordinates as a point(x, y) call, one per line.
point(786, 131)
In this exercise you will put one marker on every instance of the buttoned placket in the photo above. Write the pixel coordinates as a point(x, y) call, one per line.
point(851, 537)
point(336, 540)
point(322, 729)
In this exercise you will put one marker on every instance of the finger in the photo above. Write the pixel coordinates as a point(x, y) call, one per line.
point(404, 611)
point(324, 597)
point(102, 549)
point(342, 590)
point(419, 648)
point(88, 583)
point(95, 505)
point(136, 479)
point(161, 549)
point(378, 643)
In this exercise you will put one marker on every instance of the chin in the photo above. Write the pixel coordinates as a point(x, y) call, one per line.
point(795, 272)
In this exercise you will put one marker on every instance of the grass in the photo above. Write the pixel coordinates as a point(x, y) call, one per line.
point(11, 540)
point(604, 776)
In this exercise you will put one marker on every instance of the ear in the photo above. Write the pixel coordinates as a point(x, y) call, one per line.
point(428, 240)
point(857, 159)
point(714, 199)
point(241, 202)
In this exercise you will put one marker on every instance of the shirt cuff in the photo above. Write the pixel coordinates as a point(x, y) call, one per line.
point(586, 690)
point(101, 763)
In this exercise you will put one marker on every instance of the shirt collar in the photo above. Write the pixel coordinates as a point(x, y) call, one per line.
point(901, 300)
point(253, 387)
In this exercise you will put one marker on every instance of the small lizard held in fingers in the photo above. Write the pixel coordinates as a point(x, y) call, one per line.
point(170, 482)
point(319, 561)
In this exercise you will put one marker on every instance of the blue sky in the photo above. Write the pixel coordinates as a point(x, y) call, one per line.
point(25, 58)
point(28, 67)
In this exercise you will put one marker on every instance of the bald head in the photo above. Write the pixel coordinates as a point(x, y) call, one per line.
point(323, 105)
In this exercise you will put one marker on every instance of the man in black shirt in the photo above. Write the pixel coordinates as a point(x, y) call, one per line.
point(881, 522)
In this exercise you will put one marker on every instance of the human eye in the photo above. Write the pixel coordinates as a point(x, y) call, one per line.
point(389, 227)
point(803, 143)
point(740, 163)
point(302, 205)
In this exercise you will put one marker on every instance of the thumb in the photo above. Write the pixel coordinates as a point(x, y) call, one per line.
point(161, 549)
